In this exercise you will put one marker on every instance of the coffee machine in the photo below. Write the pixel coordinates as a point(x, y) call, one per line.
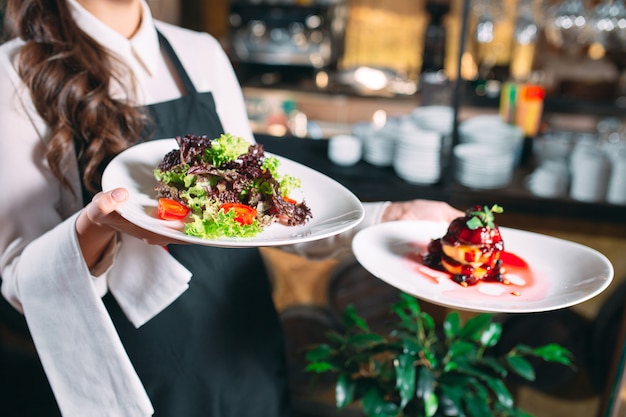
point(304, 33)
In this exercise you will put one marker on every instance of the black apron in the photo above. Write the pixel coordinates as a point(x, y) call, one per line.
point(218, 350)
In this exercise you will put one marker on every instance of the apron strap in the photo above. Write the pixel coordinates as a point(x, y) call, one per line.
point(178, 66)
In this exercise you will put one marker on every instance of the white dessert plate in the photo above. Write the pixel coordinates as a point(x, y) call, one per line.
point(545, 273)
point(334, 208)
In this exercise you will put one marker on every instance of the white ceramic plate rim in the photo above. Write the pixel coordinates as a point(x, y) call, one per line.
point(334, 208)
point(573, 273)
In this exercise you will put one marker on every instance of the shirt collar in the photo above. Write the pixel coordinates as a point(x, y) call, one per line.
point(143, 47)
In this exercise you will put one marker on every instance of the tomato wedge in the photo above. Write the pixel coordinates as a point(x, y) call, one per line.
point(244, 214)
point(169, 209)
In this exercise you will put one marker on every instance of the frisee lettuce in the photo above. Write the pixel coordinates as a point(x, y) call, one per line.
point(287, 182)
point(226, 148)
point(220, 224)
point(175, 176)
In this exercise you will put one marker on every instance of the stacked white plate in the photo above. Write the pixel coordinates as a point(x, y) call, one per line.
point(438, 119)
point(417, 156)
point(616, 193)
point(591, 169)
point(483, 166)
point(491, 130)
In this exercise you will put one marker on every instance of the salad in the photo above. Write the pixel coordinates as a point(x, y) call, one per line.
point(225, 187)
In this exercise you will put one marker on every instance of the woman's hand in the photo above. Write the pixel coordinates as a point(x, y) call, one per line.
point(437, 211)
point(99, 222)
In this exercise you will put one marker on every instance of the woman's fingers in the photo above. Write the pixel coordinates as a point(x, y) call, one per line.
point(101, 211)
point(105, 203)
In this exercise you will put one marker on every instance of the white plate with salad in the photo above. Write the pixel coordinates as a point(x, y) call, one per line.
point(545, 272)
point(333, 208)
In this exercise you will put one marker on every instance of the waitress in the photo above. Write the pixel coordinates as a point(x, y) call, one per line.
point(123, 327)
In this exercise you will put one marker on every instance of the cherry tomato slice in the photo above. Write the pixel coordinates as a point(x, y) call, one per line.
point(169, 209)
point(244, 214)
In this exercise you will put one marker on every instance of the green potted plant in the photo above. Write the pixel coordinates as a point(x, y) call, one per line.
point(424, 370)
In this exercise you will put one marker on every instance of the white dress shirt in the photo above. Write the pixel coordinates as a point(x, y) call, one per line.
point(43, 272)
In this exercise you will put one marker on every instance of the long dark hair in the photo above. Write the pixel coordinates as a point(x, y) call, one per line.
point(69, 77)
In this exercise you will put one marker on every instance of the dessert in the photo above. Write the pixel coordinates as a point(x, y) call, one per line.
point(471, 248)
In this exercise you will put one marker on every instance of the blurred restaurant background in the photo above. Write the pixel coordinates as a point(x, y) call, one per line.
point(512, 102)
point(519, 103)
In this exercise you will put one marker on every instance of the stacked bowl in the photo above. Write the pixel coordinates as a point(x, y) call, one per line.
point(487, 153)
point(438, 119)
point(492, 131)
point(435, 118)
point(378, 142)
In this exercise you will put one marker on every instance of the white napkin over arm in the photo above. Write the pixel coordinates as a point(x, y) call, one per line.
point(82, 355)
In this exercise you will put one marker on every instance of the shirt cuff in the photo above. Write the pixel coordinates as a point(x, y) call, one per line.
point(106, 261)
point(145, 279)
point(339, 246)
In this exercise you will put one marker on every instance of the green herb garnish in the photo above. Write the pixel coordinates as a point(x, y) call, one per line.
point(483, 217)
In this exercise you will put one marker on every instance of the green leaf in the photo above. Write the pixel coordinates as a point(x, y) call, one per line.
point(495, 365)
point(344, 391)
point(352, 319)
point(491, 335)
point(398, 310)
point(407, 310)
point(469, 370)
point(499, 389)
point(431, 404)
point(319, 367)
point(461, 349)
point(477, 406)
point(364, 340)
point(336, 338)
point(375, 405)
point(425, 383)
point(474, 326)
point(450, 401)
point(410, 303)
point(554, 353)
point(452, 324)
point(521, 367)
point(428, 322)
point(405, 378)
point(410, 345)
point(480, 390)
point(457, 380)
point(525, 349)
point(450, 366)
point(318, 353)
